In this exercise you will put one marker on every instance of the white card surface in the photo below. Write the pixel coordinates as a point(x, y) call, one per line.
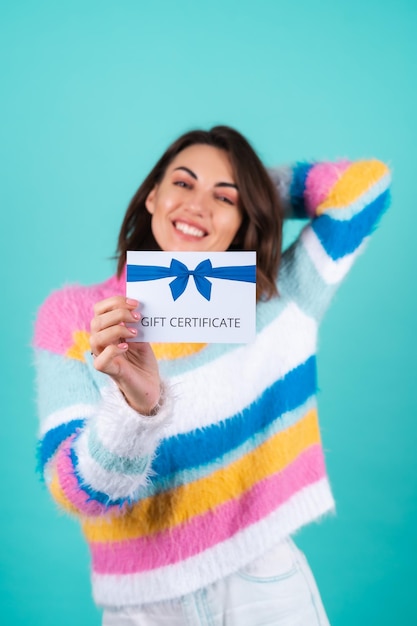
point(207, 297)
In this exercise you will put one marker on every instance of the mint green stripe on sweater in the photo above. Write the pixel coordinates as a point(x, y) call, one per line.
point(300, 281)
point(62, 382)
point(112, 462)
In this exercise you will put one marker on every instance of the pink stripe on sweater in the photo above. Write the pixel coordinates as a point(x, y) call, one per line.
point(68, 310)
point(204, 531)
point(320, 181)
point(71, 487)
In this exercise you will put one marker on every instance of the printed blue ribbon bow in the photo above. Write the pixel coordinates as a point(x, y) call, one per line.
point(203, 271)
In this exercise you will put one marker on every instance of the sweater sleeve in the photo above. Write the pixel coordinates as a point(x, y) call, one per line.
point(94, 450)
point(343, 201)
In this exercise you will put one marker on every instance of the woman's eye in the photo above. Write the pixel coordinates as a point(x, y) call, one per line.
point(226, 200)
point(181, 183)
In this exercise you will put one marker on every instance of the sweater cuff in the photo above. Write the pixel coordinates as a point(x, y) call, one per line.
point(123, 430)
point(114, 453)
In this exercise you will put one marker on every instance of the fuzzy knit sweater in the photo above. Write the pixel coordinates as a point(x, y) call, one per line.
point(233, 461)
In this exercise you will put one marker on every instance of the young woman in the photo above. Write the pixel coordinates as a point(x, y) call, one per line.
point(191, 465)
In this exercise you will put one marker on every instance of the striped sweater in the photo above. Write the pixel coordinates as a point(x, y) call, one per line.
point(233, 461)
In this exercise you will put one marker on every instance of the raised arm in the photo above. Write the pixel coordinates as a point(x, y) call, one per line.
point(95, 451)
point(344, 201)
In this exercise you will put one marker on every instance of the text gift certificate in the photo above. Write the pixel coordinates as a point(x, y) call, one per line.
point(207, 297)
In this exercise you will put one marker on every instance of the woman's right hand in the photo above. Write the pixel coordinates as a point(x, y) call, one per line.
point(132, 366)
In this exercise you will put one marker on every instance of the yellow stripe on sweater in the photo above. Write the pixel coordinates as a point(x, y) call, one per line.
point(162, 351)
point(171, 351)
point(81, 344)
point(59, 496)
point(354, 182)
point(169, 509)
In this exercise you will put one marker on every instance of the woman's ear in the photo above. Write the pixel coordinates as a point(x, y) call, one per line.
point(150, 201)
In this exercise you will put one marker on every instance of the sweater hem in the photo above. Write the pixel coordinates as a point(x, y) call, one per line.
point(188, 575)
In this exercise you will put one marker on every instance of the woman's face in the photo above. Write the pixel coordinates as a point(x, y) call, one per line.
point(195, 206)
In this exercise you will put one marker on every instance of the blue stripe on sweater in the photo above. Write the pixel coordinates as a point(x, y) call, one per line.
point(339, 238)
point(53, 439)
point(183, 477)
point(298, 184)
point(203, 446)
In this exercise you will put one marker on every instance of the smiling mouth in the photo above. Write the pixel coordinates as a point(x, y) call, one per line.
point(187, 229)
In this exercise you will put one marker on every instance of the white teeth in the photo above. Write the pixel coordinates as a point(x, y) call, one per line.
point(189, 230)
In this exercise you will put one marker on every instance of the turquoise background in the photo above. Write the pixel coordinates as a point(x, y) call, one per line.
point(91, 93)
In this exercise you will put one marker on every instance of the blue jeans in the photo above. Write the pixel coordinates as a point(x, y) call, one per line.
point(276, 590)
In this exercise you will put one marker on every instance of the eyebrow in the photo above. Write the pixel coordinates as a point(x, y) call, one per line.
point(193, 175)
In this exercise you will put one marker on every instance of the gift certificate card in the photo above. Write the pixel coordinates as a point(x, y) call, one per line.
point(207, 297)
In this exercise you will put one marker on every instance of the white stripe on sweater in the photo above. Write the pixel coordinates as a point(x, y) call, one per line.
point(73, 412)
point(239, 377)
point(332, 272)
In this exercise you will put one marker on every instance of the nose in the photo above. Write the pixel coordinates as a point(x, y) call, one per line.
point(197, 203)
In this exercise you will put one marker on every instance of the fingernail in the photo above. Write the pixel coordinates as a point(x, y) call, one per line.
point(132, 302)
point(123, 346)
point(135, 315)
point(133, 331)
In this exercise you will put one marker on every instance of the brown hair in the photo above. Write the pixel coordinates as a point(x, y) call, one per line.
point(261, 227)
